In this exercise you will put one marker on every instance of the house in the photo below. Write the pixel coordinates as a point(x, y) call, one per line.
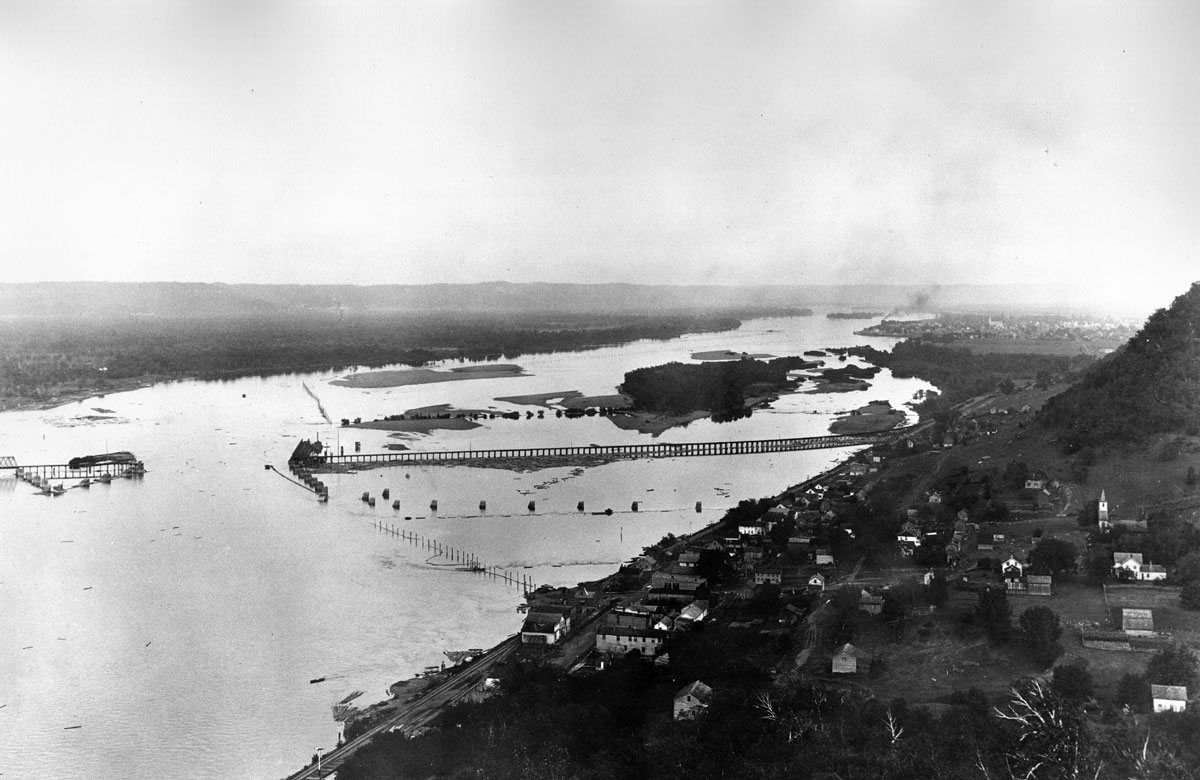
point(689, 559)
point(1137, 622)
point(857, 469)
point(1152, 571)
point(1012, 569)
point(1127, 565)
point(692, 613)
point(935, 497)
point(614, 640)
point(691, 700)
point(769, 575)
point(824, 557)
point(753, 528)
point(871, 603)
point(1171, 698)
point(816, 583)
point(662, 580)
point(850, 660)
point(986, 541)
point(631, 618)
point(544, 626)
point(909, 538)
point(643, 563)
point(1035, 484)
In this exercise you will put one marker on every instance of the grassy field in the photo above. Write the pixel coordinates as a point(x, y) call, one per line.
point(1063, 347)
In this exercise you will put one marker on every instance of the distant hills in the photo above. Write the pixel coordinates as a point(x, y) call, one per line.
point(182, 299)
point(1150, 386)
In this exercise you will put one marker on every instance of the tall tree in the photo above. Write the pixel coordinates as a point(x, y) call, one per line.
point(1173, 665)
point(996, 613)
point(1051, 556)
point(1042, 628)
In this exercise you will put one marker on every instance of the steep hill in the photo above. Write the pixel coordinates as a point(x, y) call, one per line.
point(1150, 386)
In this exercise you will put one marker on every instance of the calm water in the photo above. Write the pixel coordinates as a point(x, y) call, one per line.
point(178, 619)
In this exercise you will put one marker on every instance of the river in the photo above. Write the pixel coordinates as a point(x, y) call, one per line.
point(178, 619)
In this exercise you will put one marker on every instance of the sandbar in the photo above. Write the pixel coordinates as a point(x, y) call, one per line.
point(540, 399)
point(571, 399)
point(424, 376)
point(727, 354)
point(419, 426)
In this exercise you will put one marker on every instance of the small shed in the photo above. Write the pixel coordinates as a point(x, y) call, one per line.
point(1169, 698)
point(1137, 622)
point(1039, 584)
point(850, 660)
point(691, 700)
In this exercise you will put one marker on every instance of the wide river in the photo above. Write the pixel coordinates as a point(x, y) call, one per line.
point(168, 627)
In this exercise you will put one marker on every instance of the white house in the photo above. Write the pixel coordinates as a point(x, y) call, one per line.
point(817, 583)
point(1127, 565)
point(1169, 697)
point(615, 640)
point(544, 628)
point(1152, 571)
point(691, 700)
point(1012, 568)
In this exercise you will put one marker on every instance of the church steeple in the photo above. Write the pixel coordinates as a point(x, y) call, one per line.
point(1102, 509)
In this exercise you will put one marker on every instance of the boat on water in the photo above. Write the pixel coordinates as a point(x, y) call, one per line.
point(85, 482)
point(58, 489)
point(104, 478)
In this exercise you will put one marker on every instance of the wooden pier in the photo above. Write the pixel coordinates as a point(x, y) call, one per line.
point(64, 471)
point(613, 451)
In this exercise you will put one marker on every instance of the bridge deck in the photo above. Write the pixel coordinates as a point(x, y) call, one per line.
point(615, 451)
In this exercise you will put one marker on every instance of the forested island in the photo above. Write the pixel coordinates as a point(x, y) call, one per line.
point(721, 388)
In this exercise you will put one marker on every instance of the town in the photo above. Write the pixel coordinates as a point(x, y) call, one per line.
point(977, 568)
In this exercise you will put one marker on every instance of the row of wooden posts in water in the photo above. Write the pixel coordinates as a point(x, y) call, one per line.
point(369, 500)
point(466, 561)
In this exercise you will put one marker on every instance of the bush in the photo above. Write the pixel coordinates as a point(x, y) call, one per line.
point(1134, 691)
point(1189, 597)
point(1072, 682)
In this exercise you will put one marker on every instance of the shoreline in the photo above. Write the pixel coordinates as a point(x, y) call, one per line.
point(401, 692)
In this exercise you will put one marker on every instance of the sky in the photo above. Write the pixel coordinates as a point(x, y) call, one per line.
point(602, 141)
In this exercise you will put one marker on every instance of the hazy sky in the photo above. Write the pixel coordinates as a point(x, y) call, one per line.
point(639, 141)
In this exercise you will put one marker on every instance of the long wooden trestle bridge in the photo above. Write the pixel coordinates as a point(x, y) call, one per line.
point(313, 460)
